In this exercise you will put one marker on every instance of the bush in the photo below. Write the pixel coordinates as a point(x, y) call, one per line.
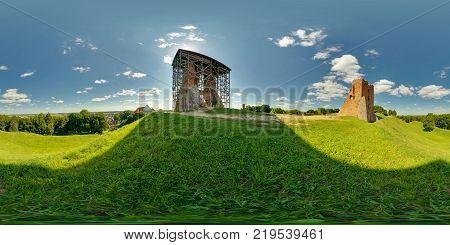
point(321, 111)
point(428, 126)
point(278, 111)
point(126, 117)
point(392, 113)
point(260, 108)
point(380, 109)
point(439, 121)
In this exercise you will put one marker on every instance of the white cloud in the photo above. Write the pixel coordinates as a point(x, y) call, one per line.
point(285, 42)
point(107, 97)
point(3, 68)
point(346, 67)
point(281, 99)
point(189, 27)
point(383, 86)
point(327, 90)
point(443, 73)
point(138, 75)
point(81, 69)
point(101, 81)
point(11, 96)
point(58, 101)
point(371, 52)
point(309, 36)
point(194, 37)
point(132, 74)
point(124, 92)
point(386, 86)
point(433, 92)
point(326, 53)
point(402, 90)
point(173, 35)
point(167, 45)
point(27, 74)
point(306, 103)
point(85, 91)
point(167, 59)
point(149, 92)
point(79, 40)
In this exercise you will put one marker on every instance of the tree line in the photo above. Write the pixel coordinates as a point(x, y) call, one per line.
point(430, 121)
point(277, 110)
point(83, 122)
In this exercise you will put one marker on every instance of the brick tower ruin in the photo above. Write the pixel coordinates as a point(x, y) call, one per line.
point(359, 101)
point(199, 82)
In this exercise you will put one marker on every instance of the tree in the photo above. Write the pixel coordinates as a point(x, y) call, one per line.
point(392, 113)
point(278, 111)
point(49, 129)
point(265, 108)
point(322, 111)
point(380, 109)
point(428, 125)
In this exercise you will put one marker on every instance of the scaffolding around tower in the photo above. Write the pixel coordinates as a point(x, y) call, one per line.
point(199, 81)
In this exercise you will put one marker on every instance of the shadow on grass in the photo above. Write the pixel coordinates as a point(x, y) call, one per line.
point(181, 169)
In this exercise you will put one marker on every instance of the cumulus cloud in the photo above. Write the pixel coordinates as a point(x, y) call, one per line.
point(386, 86)
point(371, 52)
point(327, 90)
point(12, 96)
point(433, 92)
point(101, 81)
point(306, 37)
point(194, 37)
point(309, 36)
point(306, 103)
point(81, 69)
point(3, 68)
point(149, 92)
point(285, 42)
point(173, 35)
point(132, 74)
point(58, 101)
point(176, 37)
point(167, 59)
point(281, 99)
point(383, 86)
point(85, 90)
point(124, 92)
point(326, 53)
point(346, 67)
point(402, 90)
point(27, 74)
point(189, 27)
point(443, 73)
point(138, 75)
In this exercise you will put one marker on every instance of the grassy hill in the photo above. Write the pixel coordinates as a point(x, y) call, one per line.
point(171, 168)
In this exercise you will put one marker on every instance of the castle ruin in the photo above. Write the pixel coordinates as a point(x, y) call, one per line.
point(199, 82)
point(360, 101)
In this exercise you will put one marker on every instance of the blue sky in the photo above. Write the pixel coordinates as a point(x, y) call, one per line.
point(62, 56)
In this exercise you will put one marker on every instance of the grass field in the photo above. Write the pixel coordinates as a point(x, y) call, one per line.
point(171, 168)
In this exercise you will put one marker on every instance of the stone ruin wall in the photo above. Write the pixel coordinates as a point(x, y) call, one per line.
point(359, 101)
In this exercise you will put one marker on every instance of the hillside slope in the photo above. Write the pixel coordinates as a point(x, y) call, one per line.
point(173, 168)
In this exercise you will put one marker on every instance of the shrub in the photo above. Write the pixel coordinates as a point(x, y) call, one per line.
point(428, 126)
point(278, 111)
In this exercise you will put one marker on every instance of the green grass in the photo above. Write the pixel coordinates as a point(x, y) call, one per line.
point(230, 111)
point(170, 168)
